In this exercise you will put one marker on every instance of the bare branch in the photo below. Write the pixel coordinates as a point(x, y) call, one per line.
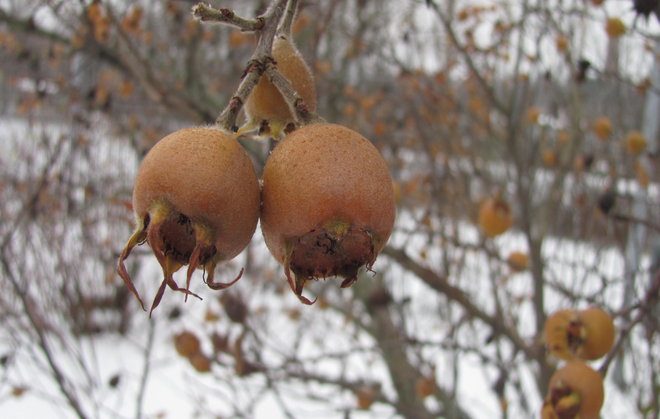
point(36, 322)
point(207, 13)
point(440, 284)
point(644, 309)
point(285, 26)
point(255, 67)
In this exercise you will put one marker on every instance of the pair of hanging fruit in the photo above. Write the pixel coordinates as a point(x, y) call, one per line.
point(326, 206)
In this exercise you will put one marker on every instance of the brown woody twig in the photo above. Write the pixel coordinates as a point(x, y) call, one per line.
point(261, 61)
point(208, 14)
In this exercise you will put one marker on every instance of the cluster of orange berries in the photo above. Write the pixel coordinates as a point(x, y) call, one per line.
point(576, 336)
point(325, 202)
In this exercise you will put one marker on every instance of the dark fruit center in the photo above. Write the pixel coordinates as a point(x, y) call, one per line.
point(564, 412)
point(321, 253)
point(178, 237)
point(574, 336)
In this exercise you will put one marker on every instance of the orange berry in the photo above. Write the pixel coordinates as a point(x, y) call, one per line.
point(19, 391)
point(575, 391)
point(533, 114)
point(463, 14)
point(602, 127)
point(196, 202)
point(265, 102)
point(561, 43)
point(615, 27)
point(186, 344)
point(635, 143)
point(328, 204)
point(587, 334)
point(518, 261)
point(200, 362)
point(494, 216)
point(365, 397)
point(424, 387)
point(549, 158)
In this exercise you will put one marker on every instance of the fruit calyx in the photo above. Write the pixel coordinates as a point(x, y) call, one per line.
point(334, 249)
point(175, 240)
point(576, 335)
point(564, 401)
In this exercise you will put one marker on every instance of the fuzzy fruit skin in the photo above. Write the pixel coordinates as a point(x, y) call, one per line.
point(265, 101)
point(323, 172)
point(579, 378)
point(205, 174)
point(579, 335)
point(327, 204)
point(600, 333)
point(196, 203)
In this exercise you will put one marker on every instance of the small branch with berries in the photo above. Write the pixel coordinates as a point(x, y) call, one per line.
point(278, 17)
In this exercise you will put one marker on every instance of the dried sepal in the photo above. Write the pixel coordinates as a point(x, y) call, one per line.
point(176, 241)
point(334, 249)
point(137, 238)
point(575, 391)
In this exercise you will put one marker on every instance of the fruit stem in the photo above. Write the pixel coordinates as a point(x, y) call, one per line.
point(251, 75)
point(291, 97)
point(266, 25)
point(285, 25)
point(266, 29)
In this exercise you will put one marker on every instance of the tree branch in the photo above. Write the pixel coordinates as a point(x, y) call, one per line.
point(208, 14)
point(36, 322)
point(440, 284)
point(261, 60)
point(267, 28)
point(648, 303)
point(291, 97)
point(392, 343)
